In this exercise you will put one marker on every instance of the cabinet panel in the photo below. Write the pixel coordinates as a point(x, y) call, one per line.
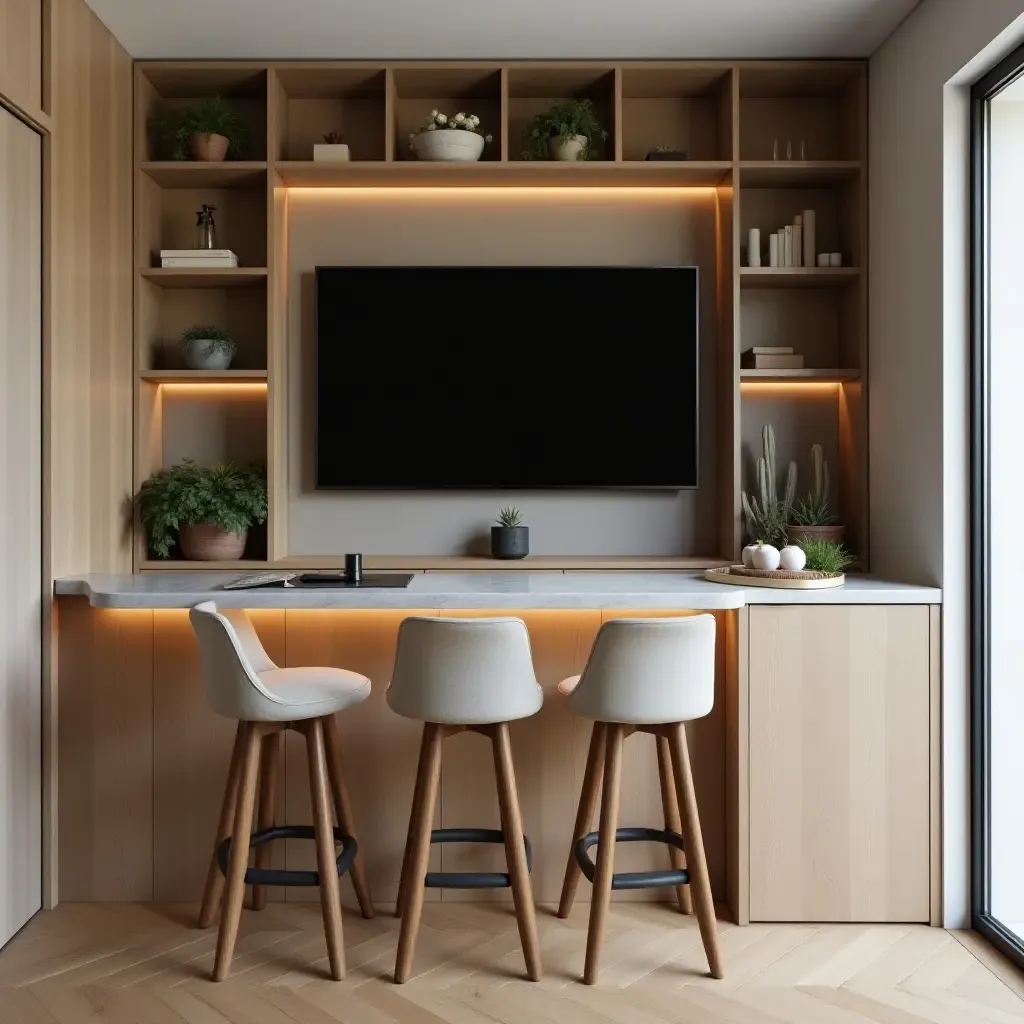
point(839, 763)
point(21, 53)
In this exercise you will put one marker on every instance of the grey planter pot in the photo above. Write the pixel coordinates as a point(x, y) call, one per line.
point(510, 541)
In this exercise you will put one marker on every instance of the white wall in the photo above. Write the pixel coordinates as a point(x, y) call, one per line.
point(919, 174)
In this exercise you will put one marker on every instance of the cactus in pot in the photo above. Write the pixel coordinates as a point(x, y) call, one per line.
point(811, 518)
point(766, 514)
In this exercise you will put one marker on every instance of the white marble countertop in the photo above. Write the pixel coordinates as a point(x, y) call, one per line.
point(455, 590)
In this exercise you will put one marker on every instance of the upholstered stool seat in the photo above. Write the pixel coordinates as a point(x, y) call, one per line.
point(643, 675)
point(458, 675)
point(244, 684)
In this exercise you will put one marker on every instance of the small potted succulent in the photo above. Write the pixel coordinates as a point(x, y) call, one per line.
point(206, 131)
point(666, 153)
point(207, 347)
point(811, 517)
point(332, 150)
point(206, 510)
point(456, 138)
point(509, 538)
point(567, 130)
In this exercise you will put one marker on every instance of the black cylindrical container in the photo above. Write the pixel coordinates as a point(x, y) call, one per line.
point(354, 568)
point(510, 541)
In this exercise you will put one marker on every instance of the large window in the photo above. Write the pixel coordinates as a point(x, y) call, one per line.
point(998, 506)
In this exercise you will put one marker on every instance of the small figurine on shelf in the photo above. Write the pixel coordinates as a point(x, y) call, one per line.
point(206, 229)
point(332, 150)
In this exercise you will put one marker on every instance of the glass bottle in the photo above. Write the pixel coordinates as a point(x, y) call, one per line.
point(206, 229)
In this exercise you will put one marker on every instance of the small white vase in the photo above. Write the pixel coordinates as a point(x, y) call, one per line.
point(331, 153)
point(567, 148)
point(206, 354)
point(452, 144)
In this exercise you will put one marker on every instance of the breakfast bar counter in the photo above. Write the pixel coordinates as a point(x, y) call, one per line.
point(817, 771)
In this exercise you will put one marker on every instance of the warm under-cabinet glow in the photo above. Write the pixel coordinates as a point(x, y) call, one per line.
point(493, 192)
point(226, 388)
point(807, 389)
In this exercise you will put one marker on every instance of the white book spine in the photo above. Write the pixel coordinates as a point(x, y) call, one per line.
point(773, 250)
point(754, 247)
point(798, 245)
point(199, 253)
point(810, 241)
point(787, 246)
point(184, 261)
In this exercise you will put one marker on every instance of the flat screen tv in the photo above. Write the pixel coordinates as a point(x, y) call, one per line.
point(506, 377)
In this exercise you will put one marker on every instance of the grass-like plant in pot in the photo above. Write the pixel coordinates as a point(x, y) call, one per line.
point(827, 556)
point(811, 517)
point(567, 130)
point(207, 347)
point(206, 130)
point(509, 538)
point(765, 514)
point(206, 510)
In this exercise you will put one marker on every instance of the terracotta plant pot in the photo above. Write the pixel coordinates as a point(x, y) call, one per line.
point(799, 533)
point(209, 148)
point(204, 542)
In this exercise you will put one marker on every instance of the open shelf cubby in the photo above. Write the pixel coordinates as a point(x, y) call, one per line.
point(762, 140)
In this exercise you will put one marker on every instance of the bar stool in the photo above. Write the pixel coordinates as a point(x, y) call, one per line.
point(244, 684)
point(643, 675)
point(455, 675)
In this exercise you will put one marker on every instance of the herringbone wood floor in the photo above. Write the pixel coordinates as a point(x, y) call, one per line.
point(132, 964)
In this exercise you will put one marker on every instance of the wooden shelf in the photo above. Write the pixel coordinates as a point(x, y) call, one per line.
point(797, 277)
point(190, 174)
point(508, 173)
point(203, 376)
point(536, 563)
point(198, 277)
point(810, 375)
point(178, 564)
point(796, 173)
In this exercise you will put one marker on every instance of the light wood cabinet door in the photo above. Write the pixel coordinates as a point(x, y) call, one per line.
point(839, 763)
point(21, 53)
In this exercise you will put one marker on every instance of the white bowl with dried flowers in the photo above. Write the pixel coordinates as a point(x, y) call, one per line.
point(449, 138)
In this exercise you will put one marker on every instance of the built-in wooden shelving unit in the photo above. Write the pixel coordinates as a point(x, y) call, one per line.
point(732, 119)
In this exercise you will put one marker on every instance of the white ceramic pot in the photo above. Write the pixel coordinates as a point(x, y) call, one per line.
point(568, 148)
point(331, 153)
point(448, 144)
point(206, 354)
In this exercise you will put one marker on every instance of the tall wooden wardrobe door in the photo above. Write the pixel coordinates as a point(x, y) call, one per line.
point(21, 543)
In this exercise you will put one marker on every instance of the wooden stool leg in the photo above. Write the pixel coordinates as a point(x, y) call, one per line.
point(421, 770)
point(515, 849)
point(700, 883)
point(266, 811)
point(214, 877)
point(605, 851)
point(231, 911)
point(584, 815)
point(343, 811)
point(418, 856)
point(326, 858)
point(670, 805)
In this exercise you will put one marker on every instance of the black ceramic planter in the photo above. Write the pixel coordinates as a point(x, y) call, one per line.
point(510, 541)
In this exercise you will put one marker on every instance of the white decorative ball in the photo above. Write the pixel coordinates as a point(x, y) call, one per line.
point(792, 558)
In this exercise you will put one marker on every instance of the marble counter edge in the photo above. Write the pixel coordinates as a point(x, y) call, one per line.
point(685, 591)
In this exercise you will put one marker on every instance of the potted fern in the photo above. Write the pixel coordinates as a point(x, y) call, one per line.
point(206, 130)
point(568, 130)
point(811, 518)
point(207, 347)
point(509, 538)
point(765, 514)
point(205, 510)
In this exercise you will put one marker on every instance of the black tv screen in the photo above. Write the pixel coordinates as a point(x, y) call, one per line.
point(506, 377)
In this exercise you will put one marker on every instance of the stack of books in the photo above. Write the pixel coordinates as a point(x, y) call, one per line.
point(210, 258)
point(772, 357)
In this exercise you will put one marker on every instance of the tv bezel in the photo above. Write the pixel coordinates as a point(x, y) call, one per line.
point(447, 488)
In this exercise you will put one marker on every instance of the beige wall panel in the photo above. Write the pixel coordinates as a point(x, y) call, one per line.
point(105, 737)
point(21, 53)
point(839, 763)
point(191, 751)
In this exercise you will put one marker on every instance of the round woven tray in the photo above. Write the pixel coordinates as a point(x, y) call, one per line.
point(782, 579)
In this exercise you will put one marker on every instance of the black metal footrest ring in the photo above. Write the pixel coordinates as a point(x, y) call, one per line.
point(274, 876)
point(472, 879)
point(633, 879)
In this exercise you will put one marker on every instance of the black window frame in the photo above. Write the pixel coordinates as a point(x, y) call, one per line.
point(983, 91)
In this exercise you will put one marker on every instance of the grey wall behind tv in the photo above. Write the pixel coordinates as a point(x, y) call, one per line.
point(513, 227)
